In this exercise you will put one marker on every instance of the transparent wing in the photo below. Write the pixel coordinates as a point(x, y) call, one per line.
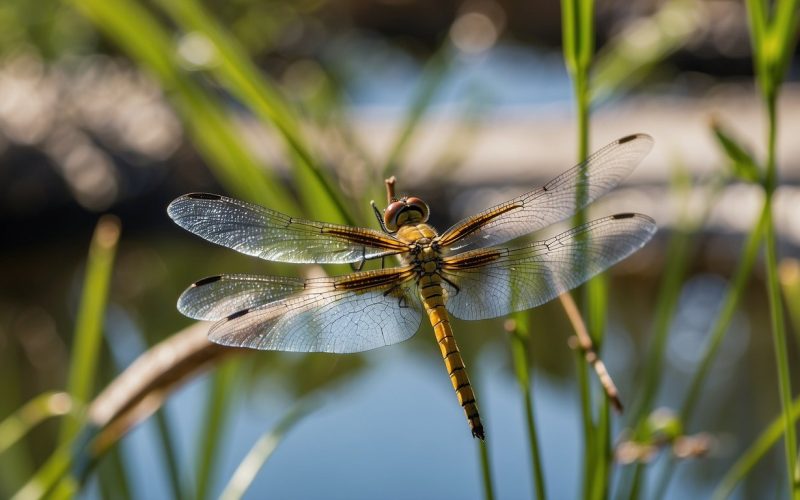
point(351, 313)
point(494, 282)
point(553, 202)
point(271, 235)
point(217, 297)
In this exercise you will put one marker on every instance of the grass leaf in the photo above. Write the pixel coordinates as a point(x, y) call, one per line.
point(236, 71)
point(31, 414)
point(624, 61)
point(518, 329)
point(212, 131)
point(89, 323)
point(754, 454)
point(789, 275)
point(213, 428)
point(261, 451)
point(742, 164)
point(48, 478)
point(486, 470)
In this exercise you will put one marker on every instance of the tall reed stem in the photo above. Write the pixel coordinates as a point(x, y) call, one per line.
point(518, 329)
point(486, 471)
point(775, 304)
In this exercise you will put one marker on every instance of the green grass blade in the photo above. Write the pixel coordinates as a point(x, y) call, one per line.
point(21, 422)
point(519, 333)
point(213, 428)
point(742, 467)
point(17, 463)
point(596, 306)
point(674, 271)
point(587, 421)
point(53, 475)
point(89, 324)
point(261, 452)
point(789, 273)
point(571, 13)
point(569, 34)
point(742, 163)
point(781, 354)
point(165, 434)
point(731, 302)
point(677, 262)
point(784, 31)
point(113, 476)
point(771, 39)
point(212, 131)
point(757, 21)
point(604, 452)
point(236, 71)
point(678, 254)
point(577, 38)
point(486, 470)
point(716, 334)
point(577, 19)
point(585, 10)
point(774, 294)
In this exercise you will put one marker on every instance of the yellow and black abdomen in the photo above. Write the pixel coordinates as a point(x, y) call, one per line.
point(430, 289)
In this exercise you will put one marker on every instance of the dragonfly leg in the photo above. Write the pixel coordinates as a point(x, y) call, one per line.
point(379, 217)
point(401, 300)
point(455, 287)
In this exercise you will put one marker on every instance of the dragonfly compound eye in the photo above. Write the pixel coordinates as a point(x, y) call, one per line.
point(417, 204)
point(391, 213)
point(406, 211)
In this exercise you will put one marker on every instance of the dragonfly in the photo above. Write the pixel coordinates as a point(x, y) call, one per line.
point(464, 271)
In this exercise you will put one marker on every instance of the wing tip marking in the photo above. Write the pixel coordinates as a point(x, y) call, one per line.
point(237, 314)
point(633, 137)
point(203, 196)
point(206, 281)
point(633, 215)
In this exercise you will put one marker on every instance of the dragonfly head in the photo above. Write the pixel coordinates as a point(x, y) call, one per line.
point(407, 210)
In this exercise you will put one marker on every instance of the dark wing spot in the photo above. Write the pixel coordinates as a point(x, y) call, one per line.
point(237, 314)
point(624, 216)
point(206, 281)
point(204, 196)
point(628, 138)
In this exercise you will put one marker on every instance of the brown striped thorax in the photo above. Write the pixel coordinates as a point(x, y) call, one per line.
point(407, 218)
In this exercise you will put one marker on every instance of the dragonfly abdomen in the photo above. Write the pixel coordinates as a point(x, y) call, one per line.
point(437, 314)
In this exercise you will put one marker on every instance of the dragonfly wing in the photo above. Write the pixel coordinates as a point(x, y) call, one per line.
point(260, 232)
point(493, 282)
point(351, 313)
point(553, 202)
point(218, 297)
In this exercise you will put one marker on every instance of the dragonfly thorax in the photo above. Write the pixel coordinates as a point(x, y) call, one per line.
point(424, 253)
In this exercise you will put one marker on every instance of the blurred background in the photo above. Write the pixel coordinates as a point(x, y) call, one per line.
point(118, 107)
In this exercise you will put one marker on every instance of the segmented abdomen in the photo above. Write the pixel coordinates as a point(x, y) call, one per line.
point(431, 292)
